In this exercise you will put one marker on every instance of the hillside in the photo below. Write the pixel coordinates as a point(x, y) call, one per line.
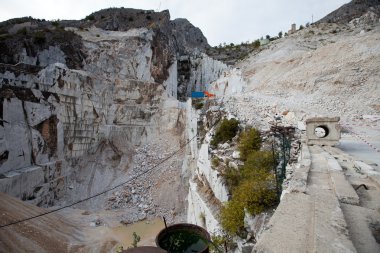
point(327, 69)
point(352, 10)
point(86, 105)
point(98, 112)
point(51, 233)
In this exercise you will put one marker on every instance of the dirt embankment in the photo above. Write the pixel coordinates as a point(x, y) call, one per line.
point(49, 233)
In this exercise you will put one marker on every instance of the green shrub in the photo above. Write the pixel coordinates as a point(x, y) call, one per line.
point(55, 23)
point(136, 239)
point(39, 38)
point(232, 217)
point(225, 132)
point(22, 31)
point(259, 160)
point(198, 105)
point(257, 192)
point(3, 31)
point(256, 44)
point(215, 162)
point(232, 177)
point(249, 141)
point(219, 242)
point(253, 189)
point(90, 17)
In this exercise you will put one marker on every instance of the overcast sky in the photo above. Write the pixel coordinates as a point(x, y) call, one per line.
point(220, 20)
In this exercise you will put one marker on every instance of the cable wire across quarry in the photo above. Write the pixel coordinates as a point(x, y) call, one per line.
point(103, 192)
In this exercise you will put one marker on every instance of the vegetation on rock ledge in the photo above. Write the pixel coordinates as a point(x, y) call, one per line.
point(253, 186)
point(225, 132)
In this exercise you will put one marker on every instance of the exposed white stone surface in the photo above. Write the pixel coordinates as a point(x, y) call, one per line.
point(213, 177)
point(199, 212)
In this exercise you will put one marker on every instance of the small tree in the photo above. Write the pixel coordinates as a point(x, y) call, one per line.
point(256, 44)
point(39, 38)
point(280, 34)
point(267, 37)
point(301, 27)
point(258, 192)
point(254, 190)
point(232, 217)
point(258, 160)
point(249, 141)
point(225, 132)
point(136, 239)
point(231, 177)
point(90, 17)
point(220, 243)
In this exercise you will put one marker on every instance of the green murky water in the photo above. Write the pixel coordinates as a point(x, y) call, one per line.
point(183, 241)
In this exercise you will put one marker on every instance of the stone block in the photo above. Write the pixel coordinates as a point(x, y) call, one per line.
point(343, 189)
point(21, 183)
point(324, 131)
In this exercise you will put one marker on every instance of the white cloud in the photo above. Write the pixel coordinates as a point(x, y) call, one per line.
point(220, 20)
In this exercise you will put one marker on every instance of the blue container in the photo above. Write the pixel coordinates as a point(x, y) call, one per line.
point(197, 94)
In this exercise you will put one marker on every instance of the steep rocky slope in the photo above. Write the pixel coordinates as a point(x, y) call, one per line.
point(52, 233)
point(327, 69)
point(352, 10)
point(86, 105)
point(79, 118)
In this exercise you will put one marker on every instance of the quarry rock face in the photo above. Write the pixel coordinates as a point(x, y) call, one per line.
point(195, 72)
point(79, 97)
point(92, 104)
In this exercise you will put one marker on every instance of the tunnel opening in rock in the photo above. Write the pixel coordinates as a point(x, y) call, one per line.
point(321, 131)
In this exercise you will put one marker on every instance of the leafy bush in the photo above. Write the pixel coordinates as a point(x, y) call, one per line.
point(249, 141)
point(231, 177)
point(225, 132)
point(39, 38)
point(136, 240)
point(215, 162)
point(232, 217)
point(198, 105)
point(253, 189)
point(22, 31)
point(259, 160)
point(219, 242)
point(55, 23)
point(90, 17)
point(258, 192)
point(256, 44)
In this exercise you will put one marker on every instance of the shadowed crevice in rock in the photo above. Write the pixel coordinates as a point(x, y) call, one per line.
point(48, 131)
